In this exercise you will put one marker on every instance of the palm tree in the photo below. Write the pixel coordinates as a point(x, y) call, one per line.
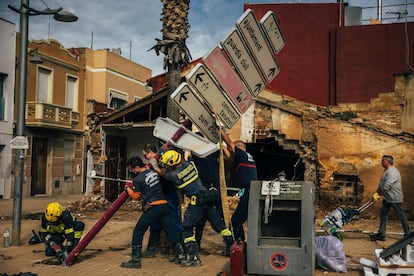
point(175, 29)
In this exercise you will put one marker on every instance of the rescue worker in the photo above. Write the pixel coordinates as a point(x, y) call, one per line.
point(168, 188)
point(208, 171)
point(185, 176)
point(146, 186)
point(245, 169)
point(58, 225)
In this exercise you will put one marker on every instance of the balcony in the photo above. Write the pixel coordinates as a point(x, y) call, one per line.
point(50, 115)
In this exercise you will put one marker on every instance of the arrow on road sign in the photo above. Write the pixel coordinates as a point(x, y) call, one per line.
point(214, 96)
point(198, 77)
point(272, 32)
point(183, 96)
point(199, 114)
point(252, 34)
point(218, 64)
point(244, 64)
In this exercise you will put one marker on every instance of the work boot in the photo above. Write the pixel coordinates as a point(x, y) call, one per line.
point(377, 237)
point(193, 257)
point(153, 241)
point(228, 240)
point(135, 261)
point(61, 255)
point(180, 256)
point(58, 249)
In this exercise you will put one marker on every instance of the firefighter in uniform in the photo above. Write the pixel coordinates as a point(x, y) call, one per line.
point(59, 225)
point(245, 169)
point(146, 186)
point(170, 192)
point(185, 176)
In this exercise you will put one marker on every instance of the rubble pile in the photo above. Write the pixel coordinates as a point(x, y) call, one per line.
point(89, 203)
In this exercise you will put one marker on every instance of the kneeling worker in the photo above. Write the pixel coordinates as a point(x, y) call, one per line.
point(59, 225)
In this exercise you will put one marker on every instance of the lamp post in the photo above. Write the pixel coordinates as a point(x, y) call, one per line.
point(25, 11)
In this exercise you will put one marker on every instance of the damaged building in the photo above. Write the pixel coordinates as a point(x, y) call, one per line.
point(343, 98)
point(337, 147)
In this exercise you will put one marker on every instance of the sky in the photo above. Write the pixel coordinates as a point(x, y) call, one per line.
point(133, 25)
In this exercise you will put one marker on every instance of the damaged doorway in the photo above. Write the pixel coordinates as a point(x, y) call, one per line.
point(271, 159)
point(115, 166)
point(39, 166)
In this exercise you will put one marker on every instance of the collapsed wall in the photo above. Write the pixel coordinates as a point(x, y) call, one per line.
point(341, 146)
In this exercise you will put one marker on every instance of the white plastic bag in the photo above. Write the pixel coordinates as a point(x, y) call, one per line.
point(330, 254)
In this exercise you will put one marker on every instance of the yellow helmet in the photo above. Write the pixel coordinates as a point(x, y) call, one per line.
point(171, 158)
point(53, 211)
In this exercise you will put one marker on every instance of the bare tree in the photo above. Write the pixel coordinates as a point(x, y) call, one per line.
point(175, 29)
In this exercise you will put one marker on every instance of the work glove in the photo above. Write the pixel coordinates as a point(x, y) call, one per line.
point(375, 197)
point(47, 237)
point(154, 163)
point(128, 185)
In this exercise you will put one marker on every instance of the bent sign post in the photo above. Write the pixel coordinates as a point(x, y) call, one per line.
point(272, 32)
point(207, 88)
point(228, 79)
point(188, 101)
point(244, 64)
point(256, 42)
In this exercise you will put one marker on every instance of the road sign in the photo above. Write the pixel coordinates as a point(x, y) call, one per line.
point(207, 88)
point(272, 32)
point(165, 128)
point(251, 32)
point(19, 142)
point(199, 114)
point(239, 56)
point(228, 79)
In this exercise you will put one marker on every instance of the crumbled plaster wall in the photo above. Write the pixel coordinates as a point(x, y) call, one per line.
point(406, 84)
point(355, 134)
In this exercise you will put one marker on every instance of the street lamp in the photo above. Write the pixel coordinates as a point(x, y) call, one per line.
point(25, 11)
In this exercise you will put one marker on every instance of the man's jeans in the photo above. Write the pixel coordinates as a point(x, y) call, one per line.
point(385, 208)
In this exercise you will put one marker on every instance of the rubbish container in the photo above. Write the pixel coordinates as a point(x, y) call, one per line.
point(281, 232)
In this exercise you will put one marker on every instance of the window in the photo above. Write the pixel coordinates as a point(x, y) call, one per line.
point(2, 98)
point(44, 85)
point(68, 160)
point(117, 99)
point(72, 93)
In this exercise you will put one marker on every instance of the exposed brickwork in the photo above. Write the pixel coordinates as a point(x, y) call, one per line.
point(353, 134)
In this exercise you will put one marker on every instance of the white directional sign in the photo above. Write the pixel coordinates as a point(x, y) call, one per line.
point(237, 52)
point(222, 70)
point(165, 128)
point(256, 42)
point(199, 114)
point(272, 32)
point(207, 88)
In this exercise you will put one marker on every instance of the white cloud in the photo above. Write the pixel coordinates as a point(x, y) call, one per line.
point(116, 23)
